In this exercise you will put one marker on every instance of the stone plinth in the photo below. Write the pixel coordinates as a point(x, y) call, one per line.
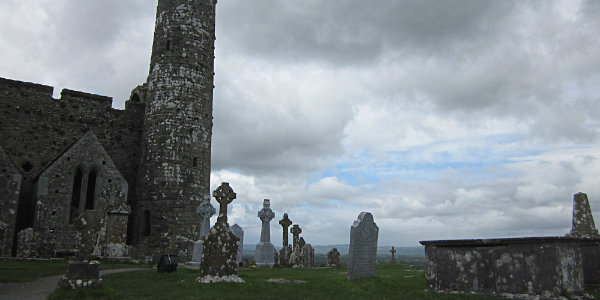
point(81, 274)
point(547, 267)
point(220, 252)
point(363, 247)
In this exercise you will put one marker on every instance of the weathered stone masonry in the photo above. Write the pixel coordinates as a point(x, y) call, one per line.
point(148, 165)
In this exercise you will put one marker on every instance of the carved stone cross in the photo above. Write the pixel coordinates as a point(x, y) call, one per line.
point(393, 253)
point(224, 195)
point(296, 231)
point(285, 223)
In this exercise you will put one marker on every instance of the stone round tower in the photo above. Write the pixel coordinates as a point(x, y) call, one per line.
point(174, 173)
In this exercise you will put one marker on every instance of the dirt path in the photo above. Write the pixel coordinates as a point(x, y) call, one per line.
point(41, 288)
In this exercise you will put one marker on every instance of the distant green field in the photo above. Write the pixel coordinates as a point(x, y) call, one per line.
point(391, 282)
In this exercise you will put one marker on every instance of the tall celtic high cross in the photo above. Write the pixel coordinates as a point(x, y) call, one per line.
point(285, 223)
point(205, 210)
point(224, 195)
point(393, 254)
point(296, 231)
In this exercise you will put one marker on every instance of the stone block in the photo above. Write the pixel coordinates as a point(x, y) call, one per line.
point(363, 247)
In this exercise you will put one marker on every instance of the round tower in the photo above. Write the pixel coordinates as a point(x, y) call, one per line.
point(174, 173)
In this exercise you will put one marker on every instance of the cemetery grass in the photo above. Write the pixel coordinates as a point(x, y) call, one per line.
point(391, 282)
point(24, 271)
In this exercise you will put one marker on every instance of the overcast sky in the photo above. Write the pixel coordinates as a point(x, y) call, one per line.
point(444, 119)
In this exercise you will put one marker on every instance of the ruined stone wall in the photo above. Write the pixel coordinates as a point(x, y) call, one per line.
point(175, 168)
point(549, 267)
point(10, 186)
point(62, 224)
point(35, 129)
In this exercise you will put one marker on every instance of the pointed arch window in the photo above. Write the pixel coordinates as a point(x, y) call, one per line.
point(91, 189)
point(76, 194)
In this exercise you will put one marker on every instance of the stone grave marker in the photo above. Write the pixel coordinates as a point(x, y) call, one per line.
point(333, 258)
point(81, 274)
point(239, 232)
point(219, 263)
point(393, 251)
point(264, 254)
point(205, 210)
point(308, 256)
point(286, 250)
point(363, 247)
point(583, 225)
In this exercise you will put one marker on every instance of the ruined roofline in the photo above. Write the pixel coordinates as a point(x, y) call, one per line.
point(23, 86)
point(18, 90)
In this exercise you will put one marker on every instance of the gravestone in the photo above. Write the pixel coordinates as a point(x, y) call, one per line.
point(583, 225)
point(264, 254)
point(333, 258)
point(393, 251)
point(239, 233)
point(308, 256)
point(296, 231)
point(81, 274)
point(285, 252)
point(363, 247)
point(205, 210)
point(219, 263)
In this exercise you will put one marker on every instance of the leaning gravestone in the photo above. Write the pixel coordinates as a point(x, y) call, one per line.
point(333, 258)
point(583, 225)
point(264, 254)
point(205, 210)
point(363, 247)
point(219, 263)
point(239, 233)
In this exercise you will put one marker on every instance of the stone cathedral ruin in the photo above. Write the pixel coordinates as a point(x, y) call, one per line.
point(78, 177)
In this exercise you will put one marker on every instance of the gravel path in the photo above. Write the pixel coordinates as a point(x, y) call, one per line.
point(41, 288)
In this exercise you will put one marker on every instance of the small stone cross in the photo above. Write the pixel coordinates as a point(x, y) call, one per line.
point(285, 223)
point(393, 253)
point(296, 231)
point(224, 195)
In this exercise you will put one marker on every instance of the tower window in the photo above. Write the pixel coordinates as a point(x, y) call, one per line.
point(76, 195)
point(195, 163)
point(91, 189)
point(27, 166)
point(168, 45)
point(146, 223)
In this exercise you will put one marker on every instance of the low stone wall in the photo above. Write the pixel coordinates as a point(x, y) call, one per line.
point(549, 267)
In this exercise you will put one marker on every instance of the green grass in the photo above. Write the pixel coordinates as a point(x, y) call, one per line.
point(390, 282)
point(19, 271)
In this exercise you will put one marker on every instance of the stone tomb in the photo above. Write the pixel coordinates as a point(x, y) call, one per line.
point(308, 256)
point(219, 255)
point(81, 274)
point(265, 252)
point(239, 233)
point(333, 258)
point(363, 247)
point(547, 267)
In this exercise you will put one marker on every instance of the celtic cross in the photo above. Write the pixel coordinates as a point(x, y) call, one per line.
point(224, 195)
point(296, 231)
point(285, 223)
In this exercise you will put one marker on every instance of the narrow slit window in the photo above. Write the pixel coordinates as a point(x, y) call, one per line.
point(75, 195)
point(91, 190)
point(146, 223)
point(195, 163)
